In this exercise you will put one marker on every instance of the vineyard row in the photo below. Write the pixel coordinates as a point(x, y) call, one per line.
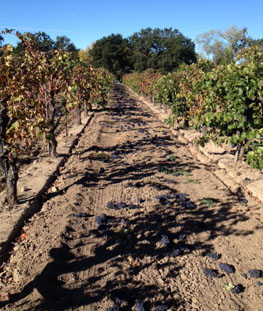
point(224, 102)
point(37, 92)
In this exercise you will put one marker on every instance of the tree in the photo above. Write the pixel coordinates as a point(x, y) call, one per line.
point(84, 55)
point(221, 47)
point(43, 40)
point(112, 53)
point(161, 49)
point(65, 44)
point(1, 40)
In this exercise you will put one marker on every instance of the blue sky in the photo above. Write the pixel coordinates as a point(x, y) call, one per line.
point(85, 21)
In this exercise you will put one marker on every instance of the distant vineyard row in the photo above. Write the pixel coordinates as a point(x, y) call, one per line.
point(37, 90)
point(225, 101)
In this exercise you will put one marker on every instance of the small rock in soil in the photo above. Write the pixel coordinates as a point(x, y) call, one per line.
point(227, 268)
point(255, 273)
point(54, 189)
point(237, 289)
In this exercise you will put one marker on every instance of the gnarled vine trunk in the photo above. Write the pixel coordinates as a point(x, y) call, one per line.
point(11, 183)
point(78, 111)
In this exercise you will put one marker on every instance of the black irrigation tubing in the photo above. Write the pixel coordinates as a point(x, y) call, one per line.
point(37, 203)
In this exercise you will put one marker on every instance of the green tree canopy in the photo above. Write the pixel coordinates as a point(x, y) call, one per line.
point(221, 47)
point(46, 44)
point(161, 49)
point(1, 40)
point(112, 53)
point(65, 44)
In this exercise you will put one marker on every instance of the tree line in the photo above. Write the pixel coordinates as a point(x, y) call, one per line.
point(165, 50)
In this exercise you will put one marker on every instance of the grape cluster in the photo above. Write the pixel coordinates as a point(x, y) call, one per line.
point(115, 206)
point(214, 256)
point(174, 253)
point(160, 308)
point(138, 307)
point(255, 273)
point(182, 198)
point(227, 268)
point(163, 199)
point(165, 240)
point(212, 273)
point(101, 220)
point(82, 215)
point(237, 289)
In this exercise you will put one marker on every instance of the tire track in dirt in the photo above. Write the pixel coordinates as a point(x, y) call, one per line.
point(130, 167)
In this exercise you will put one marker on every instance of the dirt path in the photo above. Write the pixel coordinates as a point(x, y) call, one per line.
point(164, 214)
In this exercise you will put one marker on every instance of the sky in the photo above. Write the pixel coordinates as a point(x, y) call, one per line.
point(85, 21)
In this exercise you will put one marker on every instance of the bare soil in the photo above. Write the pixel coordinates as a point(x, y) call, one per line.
point(165, 213)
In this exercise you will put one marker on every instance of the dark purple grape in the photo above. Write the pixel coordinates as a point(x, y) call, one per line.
point(162, 199)
point(81, 215)
point(244, 201)
point(114, 308)
point(165, 240)
point(190, 205)
point(120, 205)
point(140, 200)
point(138, 307)
point(115, 206)
point(102, 227)
point(160, 308)
point(111, 205)
point(120, 302)
point(237, 289)
point(174, 253)
point(182, 237)
point(115, 157)
point(101, 219)
point(133, 206)
point(214, 256)
point(227, 268)
point(182, 197)
point(124, 222)
point(255, 273)
point(212, 273)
